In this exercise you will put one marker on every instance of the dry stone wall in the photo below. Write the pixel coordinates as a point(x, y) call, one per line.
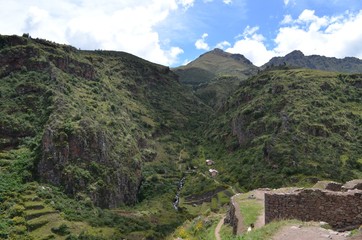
point(342, 210)
point(231, 218)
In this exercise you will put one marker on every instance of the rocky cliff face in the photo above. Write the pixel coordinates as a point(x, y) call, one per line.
point(93, 119)
point(82, 162)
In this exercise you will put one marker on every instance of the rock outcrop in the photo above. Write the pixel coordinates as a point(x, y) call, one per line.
point(82, 162)
point(298, 59)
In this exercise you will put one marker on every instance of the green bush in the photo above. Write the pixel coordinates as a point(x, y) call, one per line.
point(16, 210)
point(61, 230)
point(18, 220)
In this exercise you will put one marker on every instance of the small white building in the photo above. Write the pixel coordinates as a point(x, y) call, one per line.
point(213, 172)
point(209, 162)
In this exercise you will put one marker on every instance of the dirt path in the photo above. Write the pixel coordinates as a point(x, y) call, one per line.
point(240, 227)
point(259, 196)
point(218, 228)
point(308, 232)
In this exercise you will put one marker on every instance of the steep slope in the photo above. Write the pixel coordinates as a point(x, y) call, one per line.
point(215, 74)
point(213, 64)
point(288, 127)
point(91, 119)
point(298, 59)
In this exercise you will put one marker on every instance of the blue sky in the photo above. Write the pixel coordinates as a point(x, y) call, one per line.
point(174, 32)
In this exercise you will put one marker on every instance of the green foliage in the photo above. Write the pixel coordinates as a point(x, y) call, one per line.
point(205, 184)
point(201, 227)
point(288, 126)
point(97, 117)
point(62, 230)
point(93, 117)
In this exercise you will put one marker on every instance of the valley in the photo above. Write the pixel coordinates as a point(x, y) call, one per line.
point(106, 145)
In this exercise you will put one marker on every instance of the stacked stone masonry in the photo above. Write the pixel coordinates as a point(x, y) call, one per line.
point(231, 218)
point(341, 210)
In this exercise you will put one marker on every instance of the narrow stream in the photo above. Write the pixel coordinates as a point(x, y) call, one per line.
point(176, 201)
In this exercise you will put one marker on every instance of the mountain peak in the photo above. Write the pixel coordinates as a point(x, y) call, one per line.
point(295, 54)
point(218, 51)
point(235, 56)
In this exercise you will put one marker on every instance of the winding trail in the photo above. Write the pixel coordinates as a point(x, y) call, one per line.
point(218, 228)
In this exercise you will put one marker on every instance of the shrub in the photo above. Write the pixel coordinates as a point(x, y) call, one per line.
point(61, 230)
point(20, 229)
point(18, 220)
point(16, 210)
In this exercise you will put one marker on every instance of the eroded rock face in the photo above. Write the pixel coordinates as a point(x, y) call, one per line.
point(34, 59)
point(81, 162)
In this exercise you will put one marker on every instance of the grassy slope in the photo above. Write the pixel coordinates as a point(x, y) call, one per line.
point(288, 127)
point(215, 75)
point(139, 106)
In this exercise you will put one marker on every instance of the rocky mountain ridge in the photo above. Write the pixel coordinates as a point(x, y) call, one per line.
point(298, 59)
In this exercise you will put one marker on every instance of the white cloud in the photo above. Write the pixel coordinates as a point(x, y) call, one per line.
point(36, 15)
point(201, 44)
point(224, 1)
point(289, 2)
point(332, 36)
point(186, 3)
point(252, 46)
point(287, 19)
point(125, 25)
point(227, 1)
point(186, 62)
point(336, 36)
point(223, 45)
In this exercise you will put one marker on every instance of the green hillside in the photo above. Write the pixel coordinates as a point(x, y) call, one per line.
point(97, 125)
point(215, 75)
point(288, 127)
point(101, 144)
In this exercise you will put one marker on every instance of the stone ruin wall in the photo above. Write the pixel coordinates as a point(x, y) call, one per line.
point(231, 218)
point(341, 210)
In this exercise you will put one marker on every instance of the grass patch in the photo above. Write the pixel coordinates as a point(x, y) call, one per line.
point(250, 209)
point(266, 232)
point(226, 232)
